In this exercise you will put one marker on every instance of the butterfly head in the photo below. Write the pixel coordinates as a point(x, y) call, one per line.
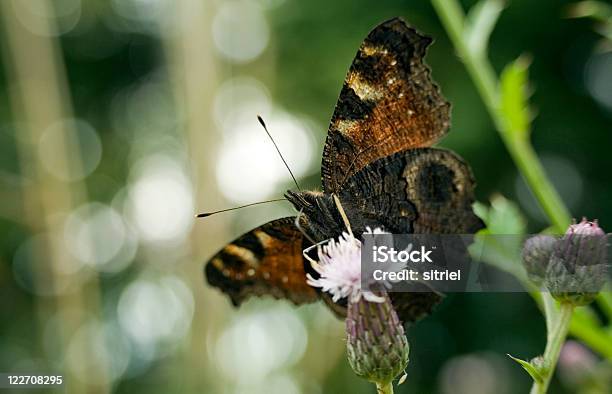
point(323, 221)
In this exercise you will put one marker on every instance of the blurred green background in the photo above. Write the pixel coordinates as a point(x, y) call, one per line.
point(120, 119)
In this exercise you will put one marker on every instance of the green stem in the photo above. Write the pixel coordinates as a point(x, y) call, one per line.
point(384, 388)
point(604, 300)
point(556, 338)
point(518, 145)
point(530, 167)
point(550, 312)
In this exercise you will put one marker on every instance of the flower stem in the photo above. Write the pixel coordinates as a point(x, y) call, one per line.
point(517, 143)
point(556, 337)
point(384, 388)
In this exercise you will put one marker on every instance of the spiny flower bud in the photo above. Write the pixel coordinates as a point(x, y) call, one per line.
point(577, 267)
point(376, 343)
point(536, 254)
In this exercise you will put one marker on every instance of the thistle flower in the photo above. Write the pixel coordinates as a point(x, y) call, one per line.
point(377, 347)
point(376, 343)
point(339, 270)
point(573, 268)
point(577, 267)
point(536, 254)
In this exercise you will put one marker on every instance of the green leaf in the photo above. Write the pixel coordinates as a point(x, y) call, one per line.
point(534, 371)
point(514, 104)
point(481, 210)
point(596, 10)
point(479, 25)
point(503, 217)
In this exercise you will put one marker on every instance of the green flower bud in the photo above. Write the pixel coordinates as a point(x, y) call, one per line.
point(376, 343)
point(577, 269)
point(536, 254)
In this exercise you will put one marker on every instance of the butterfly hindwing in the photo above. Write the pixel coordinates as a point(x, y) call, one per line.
point(265, 261)
point(422, 190)
point(411, 307)
point(388, 104)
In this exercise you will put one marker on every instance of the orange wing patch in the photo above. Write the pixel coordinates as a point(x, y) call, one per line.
point(388, 104)
point(265, 261)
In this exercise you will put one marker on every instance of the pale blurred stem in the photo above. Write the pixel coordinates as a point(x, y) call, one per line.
point(384, 388)
point(517, 142)
point(194, 75)
point(39, 97)
point(556, 338)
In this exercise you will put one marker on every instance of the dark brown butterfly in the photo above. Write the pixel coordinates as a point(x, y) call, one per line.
point(378, 162)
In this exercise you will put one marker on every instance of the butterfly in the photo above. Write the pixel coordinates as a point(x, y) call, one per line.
point(379, 163)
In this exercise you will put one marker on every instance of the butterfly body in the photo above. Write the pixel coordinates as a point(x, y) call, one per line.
point(378, 162)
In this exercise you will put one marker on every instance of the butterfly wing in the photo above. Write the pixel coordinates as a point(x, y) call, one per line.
point(388, 104)
point(411, 307)
point(265, 261)
point(422, 191)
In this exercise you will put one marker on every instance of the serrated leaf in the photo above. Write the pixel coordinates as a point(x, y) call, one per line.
point(479, 24)
point(514, 94)
point(481, 210)
point(533, 371)
point(502, 217)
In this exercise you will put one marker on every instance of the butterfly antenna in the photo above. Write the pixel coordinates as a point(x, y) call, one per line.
point(207, 214)
point(263, 124)
point(343, 214)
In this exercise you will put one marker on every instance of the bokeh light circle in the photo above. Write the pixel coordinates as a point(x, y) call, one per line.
point(97, 235)
point(161, 200)
point(240, 30)
point(155, 312)
point(259, 343)
point(81, 144)
point(239, 99)
point(97, 347)
point(249, 168)
point(598, 78)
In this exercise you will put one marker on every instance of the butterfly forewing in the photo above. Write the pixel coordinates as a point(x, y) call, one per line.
point(388, 104)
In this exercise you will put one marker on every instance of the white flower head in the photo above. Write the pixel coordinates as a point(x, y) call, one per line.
point(339, 268)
